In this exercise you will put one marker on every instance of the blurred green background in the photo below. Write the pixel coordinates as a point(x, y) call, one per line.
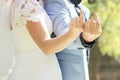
point(105, 55)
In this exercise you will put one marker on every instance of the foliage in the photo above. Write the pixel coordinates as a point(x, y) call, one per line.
point(109, 11)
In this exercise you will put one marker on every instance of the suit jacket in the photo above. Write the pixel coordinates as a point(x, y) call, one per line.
point(61, 12)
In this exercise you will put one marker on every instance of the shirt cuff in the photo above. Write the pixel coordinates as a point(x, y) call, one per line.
point(86, 44)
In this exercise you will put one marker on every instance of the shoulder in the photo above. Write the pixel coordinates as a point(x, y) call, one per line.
point(60, 3)
point(28, 10)
point(26, 4)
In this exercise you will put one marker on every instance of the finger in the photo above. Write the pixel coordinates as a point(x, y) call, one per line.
point(80, 24)
point(78, 21)
point(87, 26)
point(99, 30)
point(96, 17)
point(81, 15)
point(93, 27)
point(75, 22)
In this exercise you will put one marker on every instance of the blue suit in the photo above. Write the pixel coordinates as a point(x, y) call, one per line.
point(72, 60)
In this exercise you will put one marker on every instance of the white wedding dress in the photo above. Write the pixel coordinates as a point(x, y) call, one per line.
point(31, 62)
point(7, 57)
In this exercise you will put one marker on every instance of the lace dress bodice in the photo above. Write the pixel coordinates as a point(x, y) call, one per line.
point(31, 62)
point(23, 11)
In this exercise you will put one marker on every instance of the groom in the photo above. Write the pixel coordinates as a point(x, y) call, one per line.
point(73, 59)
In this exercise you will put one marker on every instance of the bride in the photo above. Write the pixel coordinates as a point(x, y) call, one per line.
point(34, 49)
point(6, 47)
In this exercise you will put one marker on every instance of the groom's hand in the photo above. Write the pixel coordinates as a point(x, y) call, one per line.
point(92, 29)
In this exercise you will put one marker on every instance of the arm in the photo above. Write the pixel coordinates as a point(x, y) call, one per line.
point(57, 44)
point(60, 16)
point(32, 14)
point(57, 10)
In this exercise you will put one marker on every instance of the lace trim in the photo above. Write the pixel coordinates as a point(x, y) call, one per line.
point(31, 10)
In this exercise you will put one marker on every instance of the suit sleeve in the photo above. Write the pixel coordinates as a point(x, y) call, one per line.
point(59, 14)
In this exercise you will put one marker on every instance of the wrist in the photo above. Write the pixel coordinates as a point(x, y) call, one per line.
point(87, 37)
point(73, 33)
point(86, 44)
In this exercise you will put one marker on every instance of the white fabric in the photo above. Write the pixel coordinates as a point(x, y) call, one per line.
point(22, 12)
point(6, 48)
point(31, 62)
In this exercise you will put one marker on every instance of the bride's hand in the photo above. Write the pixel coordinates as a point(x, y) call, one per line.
point(76, 25)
